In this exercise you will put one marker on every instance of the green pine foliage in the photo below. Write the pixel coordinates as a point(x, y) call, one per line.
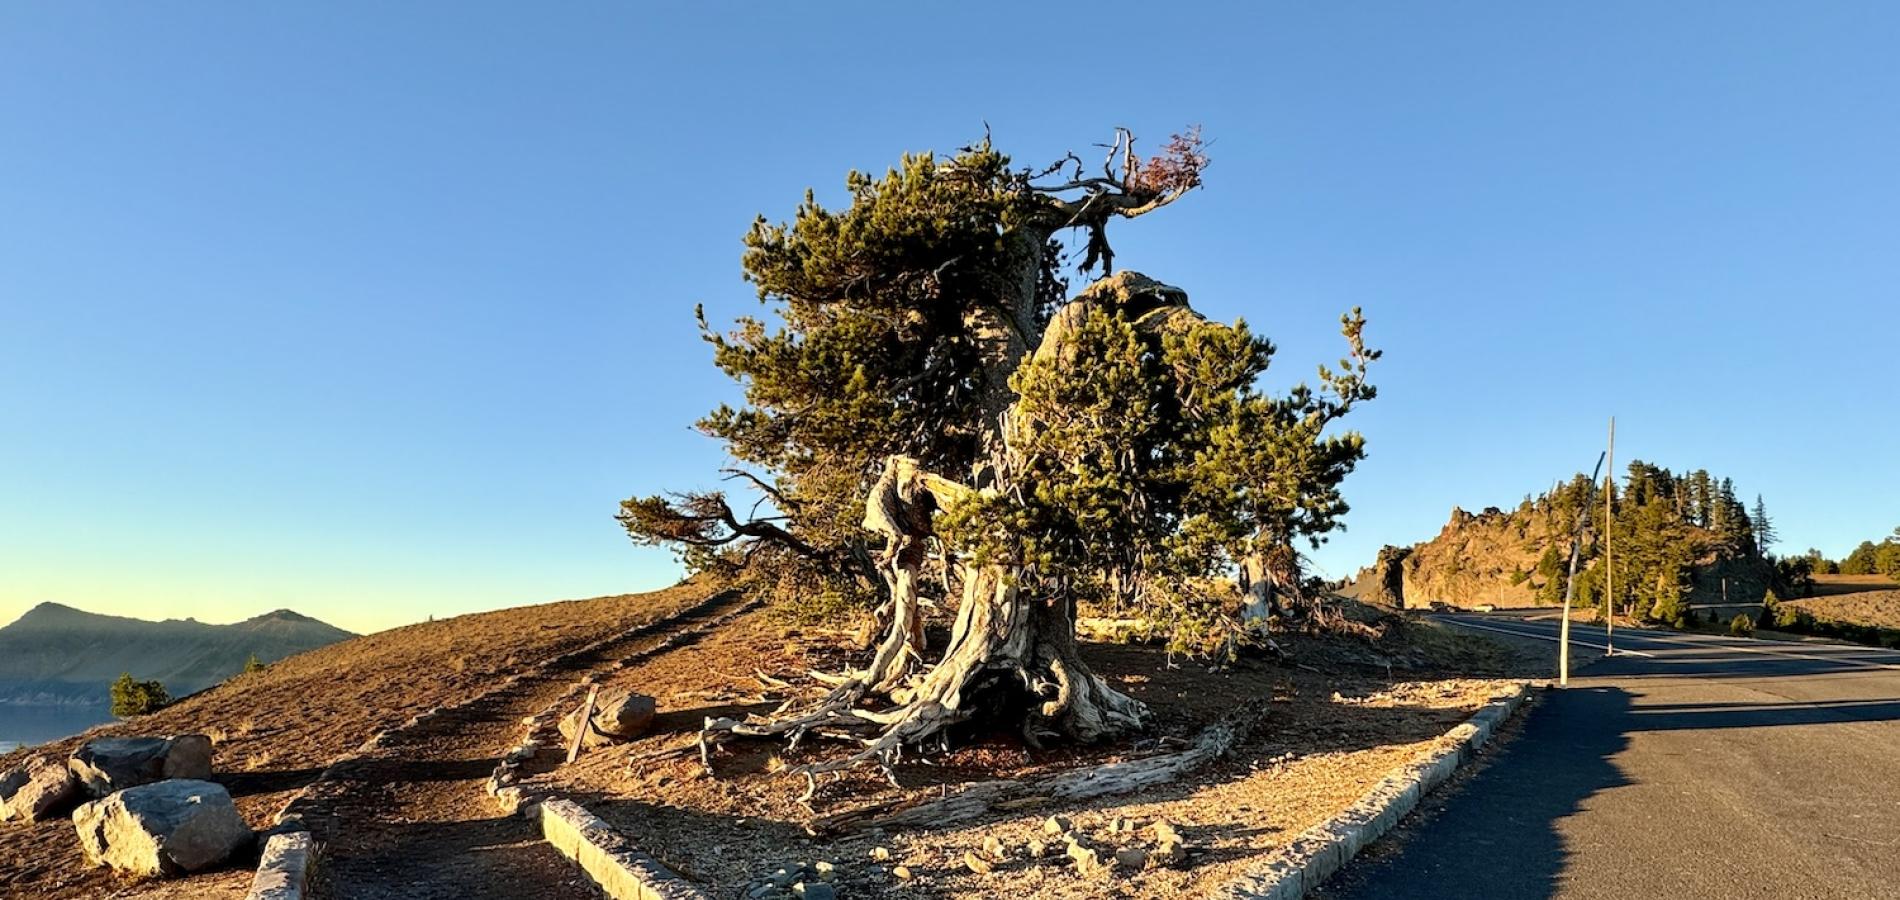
point(912, 321)
point(131, 697)
point(1667, 527)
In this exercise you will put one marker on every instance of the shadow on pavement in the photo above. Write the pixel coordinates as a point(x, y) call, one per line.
point(1497, 836)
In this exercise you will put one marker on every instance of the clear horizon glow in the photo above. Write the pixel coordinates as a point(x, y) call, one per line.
point(377, 312)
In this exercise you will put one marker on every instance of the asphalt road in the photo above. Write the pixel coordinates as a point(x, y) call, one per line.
point(1707, 767)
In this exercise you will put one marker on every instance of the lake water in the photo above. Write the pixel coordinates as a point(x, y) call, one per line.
point(21, 725)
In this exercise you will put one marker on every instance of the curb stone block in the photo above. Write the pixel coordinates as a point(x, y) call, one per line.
point(1316, 854)
point(284, 872)
point(619, 870)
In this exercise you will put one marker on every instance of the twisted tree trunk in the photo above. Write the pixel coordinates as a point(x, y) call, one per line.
point(1006, 632)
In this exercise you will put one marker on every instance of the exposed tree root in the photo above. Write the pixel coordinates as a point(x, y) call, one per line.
point(998, 634)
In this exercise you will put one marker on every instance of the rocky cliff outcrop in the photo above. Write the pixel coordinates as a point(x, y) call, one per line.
point(1520, 559)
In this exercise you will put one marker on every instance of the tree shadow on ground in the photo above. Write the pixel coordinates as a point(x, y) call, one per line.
point(245, 784)
point(1497, 836)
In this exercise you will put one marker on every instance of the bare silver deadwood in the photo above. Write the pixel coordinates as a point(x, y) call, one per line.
point(1002, 629)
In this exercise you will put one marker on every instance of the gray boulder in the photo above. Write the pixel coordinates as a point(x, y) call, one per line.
point(104, 765)
point(163, 828)
point(35, 789)
point(619, 715)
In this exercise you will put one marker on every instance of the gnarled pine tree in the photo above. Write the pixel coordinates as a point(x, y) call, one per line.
point(931, 395)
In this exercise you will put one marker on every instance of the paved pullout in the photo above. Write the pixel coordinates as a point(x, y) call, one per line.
point(1709, 767)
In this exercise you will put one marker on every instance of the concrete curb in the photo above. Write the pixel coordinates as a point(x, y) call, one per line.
point(1323, 849)
point(612, 862)
point(284, 873)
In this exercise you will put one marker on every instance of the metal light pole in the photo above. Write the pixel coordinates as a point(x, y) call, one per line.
point(1609, 551)
point(1570, 586)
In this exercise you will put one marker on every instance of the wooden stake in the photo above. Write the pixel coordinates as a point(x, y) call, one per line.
point(586, 724)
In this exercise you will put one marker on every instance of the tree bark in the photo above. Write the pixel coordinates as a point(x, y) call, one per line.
point(1005, 632)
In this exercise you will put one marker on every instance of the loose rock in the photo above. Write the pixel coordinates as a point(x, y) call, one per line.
point(881, 854)
point(619, 715)
point(814, 890)
point(903, 873)
point(104, 765)
point(977, 864)
point(1056, 826)
point(1087, 860)
point(164, 828)
point(1132, 857)
point(35, 789)
point(993, 847)
point(1169, 853)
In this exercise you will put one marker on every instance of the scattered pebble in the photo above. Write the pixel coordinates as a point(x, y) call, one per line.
point(814, 890)
point(993, 846)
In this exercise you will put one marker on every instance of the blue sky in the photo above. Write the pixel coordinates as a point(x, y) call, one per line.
point(375, 311)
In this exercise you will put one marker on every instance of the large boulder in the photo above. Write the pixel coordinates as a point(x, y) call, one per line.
point(104, 765)
point(163, 828)
point(36, 789)
point(619, 715)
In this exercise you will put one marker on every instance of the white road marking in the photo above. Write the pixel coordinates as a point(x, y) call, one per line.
point(1543, 637)
point(1708, 645)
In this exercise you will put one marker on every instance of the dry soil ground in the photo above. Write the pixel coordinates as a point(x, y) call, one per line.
point(1855, 599)
point(408, 819)
point(276, 729)
point(1329, 726)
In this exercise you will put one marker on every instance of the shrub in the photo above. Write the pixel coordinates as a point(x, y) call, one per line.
point(1741, 625)
point(253, 664)
point(131, 697)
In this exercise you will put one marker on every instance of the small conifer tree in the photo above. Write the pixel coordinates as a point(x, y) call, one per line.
point(131, 697)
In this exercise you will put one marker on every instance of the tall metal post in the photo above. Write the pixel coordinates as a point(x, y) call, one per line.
point(1570, 586)
point(1609, 550)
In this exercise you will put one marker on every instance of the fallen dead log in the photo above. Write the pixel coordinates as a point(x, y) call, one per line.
point(981, 798)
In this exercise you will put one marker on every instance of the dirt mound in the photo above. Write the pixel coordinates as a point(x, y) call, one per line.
point(1877, 609)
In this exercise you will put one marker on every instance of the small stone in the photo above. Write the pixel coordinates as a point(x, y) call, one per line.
point(1036, 848)
point(1056, 826)
point(1118, 825)
point(826, 869)
point(1165, 832)
point(1087, 860)
point(903, 873)
point(814, 890)
point(977, 864)
point(881, 854)
point(784, 877)
point(1132, 857)
point(993, 846)
point(1169, 853)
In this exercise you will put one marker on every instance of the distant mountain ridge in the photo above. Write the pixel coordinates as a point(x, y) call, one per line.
point(55, 654)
